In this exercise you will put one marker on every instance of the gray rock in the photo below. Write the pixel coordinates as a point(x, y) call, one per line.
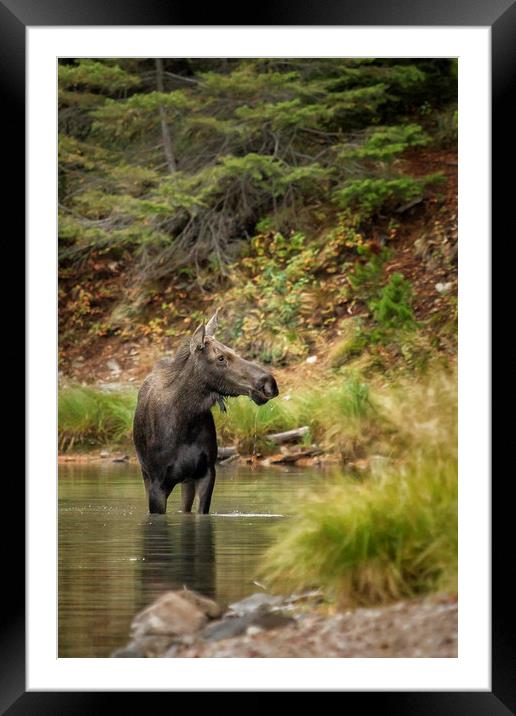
point(114, 366)
point(443, 287)
point(153, 646)
point(253, 630)
point(256, 602)
point(271, 620)
point(206, 605)
point(225, 629)
point(250, 624)
point(174, 613)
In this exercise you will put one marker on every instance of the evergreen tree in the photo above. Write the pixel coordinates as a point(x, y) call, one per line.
point(176, 161)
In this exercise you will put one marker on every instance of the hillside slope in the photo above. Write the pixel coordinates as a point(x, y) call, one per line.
point(423, 249)
point(313, 201)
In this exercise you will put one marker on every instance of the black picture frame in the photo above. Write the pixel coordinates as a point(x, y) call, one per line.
point(500, 16)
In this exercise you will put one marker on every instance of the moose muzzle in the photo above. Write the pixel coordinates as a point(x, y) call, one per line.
point(264, 389)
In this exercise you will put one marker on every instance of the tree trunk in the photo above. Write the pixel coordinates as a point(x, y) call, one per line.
point(167, 142)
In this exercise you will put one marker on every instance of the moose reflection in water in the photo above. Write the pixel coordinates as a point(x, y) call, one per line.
point(177, 556)
point(174, 431)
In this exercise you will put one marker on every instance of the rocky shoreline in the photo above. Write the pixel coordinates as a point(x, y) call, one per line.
point(311, 457)
point(183, 624)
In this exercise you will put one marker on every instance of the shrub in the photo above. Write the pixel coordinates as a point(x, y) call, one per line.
point(366, 276)
point(393, 307)
point(370, 196)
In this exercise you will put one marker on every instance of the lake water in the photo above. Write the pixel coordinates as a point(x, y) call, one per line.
point(115, 558)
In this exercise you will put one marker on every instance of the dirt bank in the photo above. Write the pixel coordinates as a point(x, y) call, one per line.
point(423, 628)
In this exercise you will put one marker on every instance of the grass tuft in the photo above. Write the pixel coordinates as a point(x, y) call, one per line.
point(246, 424)
point(89, 416)
point(393, 535)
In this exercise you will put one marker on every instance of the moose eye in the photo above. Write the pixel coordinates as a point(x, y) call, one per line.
point(221, 359)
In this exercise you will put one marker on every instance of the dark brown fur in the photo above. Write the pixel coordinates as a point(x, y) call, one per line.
point(174, 432)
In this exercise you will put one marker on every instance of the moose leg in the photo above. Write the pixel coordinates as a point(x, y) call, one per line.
point(204, 490)
point(157, 499)
point(187, 495)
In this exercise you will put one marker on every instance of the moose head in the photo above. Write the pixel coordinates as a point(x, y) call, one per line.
point(224, 371)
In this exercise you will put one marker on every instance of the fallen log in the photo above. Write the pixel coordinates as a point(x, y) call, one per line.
point(289, 458)
point(225, 452)
point(290, 436)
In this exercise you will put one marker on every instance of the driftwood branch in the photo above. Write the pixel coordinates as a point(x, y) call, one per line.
point(229, 459)
point(290, 436)
point(409, 205)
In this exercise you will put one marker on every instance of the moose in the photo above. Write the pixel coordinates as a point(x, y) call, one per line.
point(173, 429)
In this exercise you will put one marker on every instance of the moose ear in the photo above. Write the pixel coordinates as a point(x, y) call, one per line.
point(213, 324)
point(197, 340)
